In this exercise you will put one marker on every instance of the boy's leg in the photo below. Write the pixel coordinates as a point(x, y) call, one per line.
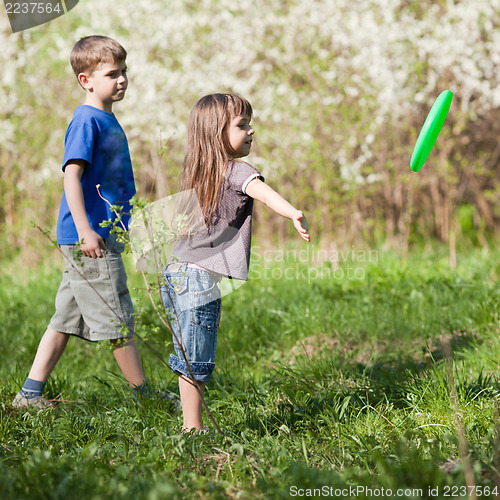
point(191, 404)
point(48, 354)
point(129, 361)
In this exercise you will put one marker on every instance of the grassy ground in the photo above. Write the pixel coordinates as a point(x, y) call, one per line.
point(325, 381)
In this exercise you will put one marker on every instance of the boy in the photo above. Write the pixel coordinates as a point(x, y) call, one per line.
point(93, 301)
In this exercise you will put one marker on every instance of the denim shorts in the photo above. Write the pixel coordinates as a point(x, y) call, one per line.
point(192, 299)
point(93, 301)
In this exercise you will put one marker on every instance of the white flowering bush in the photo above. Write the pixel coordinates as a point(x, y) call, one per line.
point(340, 89)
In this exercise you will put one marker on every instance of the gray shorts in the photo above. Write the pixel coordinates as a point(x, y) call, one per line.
point(93, 301)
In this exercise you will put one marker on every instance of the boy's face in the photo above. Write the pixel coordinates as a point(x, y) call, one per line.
point(106, 85)
point(240, 136)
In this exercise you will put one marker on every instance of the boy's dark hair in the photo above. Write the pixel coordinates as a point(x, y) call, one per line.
point(92, 51)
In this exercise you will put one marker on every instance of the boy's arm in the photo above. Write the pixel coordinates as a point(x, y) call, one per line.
point(262, 192)
point(91, 242)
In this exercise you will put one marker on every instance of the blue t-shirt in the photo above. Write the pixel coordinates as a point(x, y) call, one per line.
point(96, 137)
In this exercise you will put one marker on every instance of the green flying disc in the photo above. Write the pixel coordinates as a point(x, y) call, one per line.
point(430, 131)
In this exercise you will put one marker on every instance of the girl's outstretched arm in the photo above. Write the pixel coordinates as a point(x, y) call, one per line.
point(262, 192)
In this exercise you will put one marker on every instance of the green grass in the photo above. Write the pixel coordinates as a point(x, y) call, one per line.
point(320, 383)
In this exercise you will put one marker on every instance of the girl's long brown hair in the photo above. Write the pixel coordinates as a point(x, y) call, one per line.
point(208, 150)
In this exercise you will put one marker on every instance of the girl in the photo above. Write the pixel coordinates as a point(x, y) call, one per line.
point(219, 133)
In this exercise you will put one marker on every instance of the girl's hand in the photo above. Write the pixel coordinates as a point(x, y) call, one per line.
point(301, 225)
point(262, 192)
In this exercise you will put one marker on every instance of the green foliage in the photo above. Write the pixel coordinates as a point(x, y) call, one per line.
point(340, 91)
point(320, 383)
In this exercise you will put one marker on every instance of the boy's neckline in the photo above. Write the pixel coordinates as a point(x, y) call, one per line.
point(98, 109)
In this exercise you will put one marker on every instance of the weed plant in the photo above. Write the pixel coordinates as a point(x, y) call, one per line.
point(321, 384)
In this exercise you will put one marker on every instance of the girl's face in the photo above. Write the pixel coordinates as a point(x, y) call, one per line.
point(240, 136)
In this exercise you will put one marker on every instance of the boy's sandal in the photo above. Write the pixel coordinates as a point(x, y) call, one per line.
point(158, 394)
point(37, 402)
point(173, 398)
